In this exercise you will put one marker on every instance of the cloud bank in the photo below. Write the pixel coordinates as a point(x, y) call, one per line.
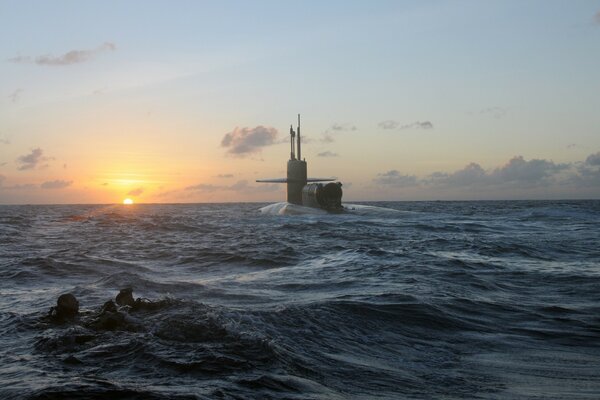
point(69, 58)
point(517, 173)
point(245, 141)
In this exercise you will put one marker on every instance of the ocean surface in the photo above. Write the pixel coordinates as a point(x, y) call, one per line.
point(400, 300)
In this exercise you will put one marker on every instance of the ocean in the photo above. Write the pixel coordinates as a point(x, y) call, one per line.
point(390, 300)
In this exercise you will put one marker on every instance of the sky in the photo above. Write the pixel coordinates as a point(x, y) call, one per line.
point(191, 101)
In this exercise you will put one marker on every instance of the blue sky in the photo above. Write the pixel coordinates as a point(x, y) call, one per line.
point(399, 98)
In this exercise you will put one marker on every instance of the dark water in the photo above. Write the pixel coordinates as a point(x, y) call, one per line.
point(497, 300)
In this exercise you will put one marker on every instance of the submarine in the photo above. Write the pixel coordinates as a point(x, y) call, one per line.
point(304, 191)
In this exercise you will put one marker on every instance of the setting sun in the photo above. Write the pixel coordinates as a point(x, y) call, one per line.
point(127, 201)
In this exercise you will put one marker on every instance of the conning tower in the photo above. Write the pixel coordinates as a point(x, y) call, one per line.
point(296, 169)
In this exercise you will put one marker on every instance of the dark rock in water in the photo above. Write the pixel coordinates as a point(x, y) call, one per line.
point(125, 297)
point(109, 306)
point(142, 304)
point(66, 308)
point(109, 321)
point(72, 360)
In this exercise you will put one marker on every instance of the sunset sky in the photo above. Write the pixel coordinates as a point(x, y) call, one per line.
point(191, 101)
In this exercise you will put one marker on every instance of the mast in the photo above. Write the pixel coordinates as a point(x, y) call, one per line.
point(299, 150)
point(292, 144)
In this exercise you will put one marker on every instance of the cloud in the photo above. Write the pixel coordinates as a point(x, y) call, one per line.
point(2, 179)
point(469, 175)
point(4, 140)
point(327, 154)
point(205, 187)
point(597, 18)
point(395, 178)
point(24, 186)
point(335, 128)
point(327, 138)
point(516, 173)
point(224, 176)
point(392, 125)
point(136, 192)
point(593, 159)
point(244, 141)
point(518, 170)
point(241, 186)
point(388, 124)
point(496, 112)
point(418, 125)
point(69, 58)
point(14, 96)
point(57, 184)
point(32, 160)
point(342, 127)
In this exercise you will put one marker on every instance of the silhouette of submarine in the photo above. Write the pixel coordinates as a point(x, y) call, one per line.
point(308, 192)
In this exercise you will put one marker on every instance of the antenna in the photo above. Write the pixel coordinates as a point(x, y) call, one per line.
point(299, 151)
point(292, 135)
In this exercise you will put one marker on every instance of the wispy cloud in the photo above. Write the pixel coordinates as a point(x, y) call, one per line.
point(68, 58)
point(597, 18)
point(395, 125)
point(32, 160)
point(224, 176)
point(205, 187)
point(329, 135)
point(327, 154)
point(21, 186)
point(241, 186)
point(136, 192)
point(14, 96)
point(244, 141)
point(4, 140)
point(388, 124)
point(57, 184)
point(496, 112)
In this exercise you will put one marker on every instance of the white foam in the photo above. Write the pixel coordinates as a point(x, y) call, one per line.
point(285, 208)
point(363, 209)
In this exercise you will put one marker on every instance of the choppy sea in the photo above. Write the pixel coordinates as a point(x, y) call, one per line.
point(395, 300)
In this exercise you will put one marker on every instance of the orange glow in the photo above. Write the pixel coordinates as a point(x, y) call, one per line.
point(127, 201)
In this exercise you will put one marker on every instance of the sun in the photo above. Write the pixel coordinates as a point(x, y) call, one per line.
point(128, 201)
